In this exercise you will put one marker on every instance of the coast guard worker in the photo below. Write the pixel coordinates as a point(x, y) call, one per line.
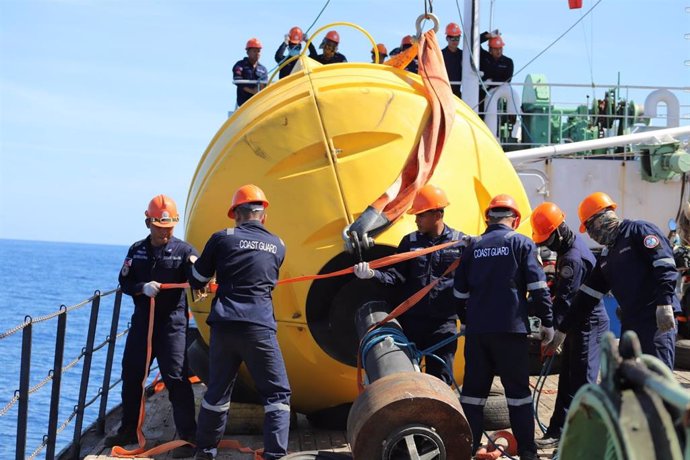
point(581, 338)
point(452, 57)
point(329, 45)
point(246, 260)
point(637, 265)
point(496, 271)
point(405, 44)
point(433, 319)
point(160, 258)
point(292, 45)
point(250, 68)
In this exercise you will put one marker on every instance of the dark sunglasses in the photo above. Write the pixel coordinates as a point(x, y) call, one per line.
point(454, 39)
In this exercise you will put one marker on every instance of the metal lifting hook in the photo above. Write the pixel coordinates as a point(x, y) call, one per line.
point(424, 17)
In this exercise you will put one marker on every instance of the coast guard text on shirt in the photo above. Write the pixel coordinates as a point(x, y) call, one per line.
point(491, 252)
point(258, 245)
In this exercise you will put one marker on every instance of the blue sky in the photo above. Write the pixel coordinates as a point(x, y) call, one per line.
point(104, 104)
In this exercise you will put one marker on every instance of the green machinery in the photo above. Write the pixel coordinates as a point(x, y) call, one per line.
point(638, 411)
point(663, 162)
point(545, 124)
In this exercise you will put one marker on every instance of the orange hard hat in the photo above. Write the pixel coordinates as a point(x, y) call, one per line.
point(545, 219)
point(247, 194)
point(407, 40)
point(253, 43)
point(496, 42)
point(593, 204)
point(333, 36)
point(504, 201)
point(382, 49)
point(162, 212)
point(453, 30)
point(428, 197)
point(295, 35)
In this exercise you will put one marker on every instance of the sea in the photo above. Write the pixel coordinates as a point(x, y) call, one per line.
point(37, 279)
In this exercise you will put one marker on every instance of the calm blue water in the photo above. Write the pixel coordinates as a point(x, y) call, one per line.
point(38, 277)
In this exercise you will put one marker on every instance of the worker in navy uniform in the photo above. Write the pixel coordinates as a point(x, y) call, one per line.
point(383, 54)
point(637, 266)
point(329, 45)
point(246, 260)
point(293, 46)
point(434, 318)
point(495, 66)
point(250, 68)
point(495, 274)
point(581, 340)
point(406, 43)
point(160, 258)
point(452, 57)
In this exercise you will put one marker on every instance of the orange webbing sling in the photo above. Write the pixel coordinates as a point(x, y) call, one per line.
point(421, 162)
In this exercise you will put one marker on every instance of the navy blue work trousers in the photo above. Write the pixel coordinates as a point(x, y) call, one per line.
point(506, 355)
point(169, 348)
point(232, 344)
point(579, 365)
point(655, 343)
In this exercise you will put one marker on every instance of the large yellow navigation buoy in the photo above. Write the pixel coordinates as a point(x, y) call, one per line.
point(323, 143)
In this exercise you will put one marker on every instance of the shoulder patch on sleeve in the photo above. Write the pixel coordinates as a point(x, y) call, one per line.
point(125, 266)
point(567, 271)
point(651, 241)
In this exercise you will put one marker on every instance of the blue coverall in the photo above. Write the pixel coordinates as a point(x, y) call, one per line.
point(165, 264)
point(433, 319)
point(244, 70)
point(246, 260)
point(640, 271)
point(581, 349)
point(496, 272)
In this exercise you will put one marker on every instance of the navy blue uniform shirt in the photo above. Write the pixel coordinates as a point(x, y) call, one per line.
point(292, 50)
point(574, 266)
point(416, 273)
point(244, 70)
point(164, 264)
point(640, 271)
point(496, 272)
point(497, 70)
point(337, 57)
point(453, 62)
point(246, 260)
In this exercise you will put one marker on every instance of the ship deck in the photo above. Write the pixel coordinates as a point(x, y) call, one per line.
point(245, 425)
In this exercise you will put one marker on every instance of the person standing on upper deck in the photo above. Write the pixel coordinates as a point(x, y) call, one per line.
point(496, 67)
point(292, 45)
point(329, 45)
point(250, 68)
point(452, 57)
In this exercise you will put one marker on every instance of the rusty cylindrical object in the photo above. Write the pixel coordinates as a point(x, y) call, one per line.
point(407, 405)
point(402, 413)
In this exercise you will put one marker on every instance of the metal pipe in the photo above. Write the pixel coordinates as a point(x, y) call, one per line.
point(470, 56)
point(24, 374)
point(112, 337)
point(57, 379)
point(86, 370)
point(574, 147)
point(385, 357)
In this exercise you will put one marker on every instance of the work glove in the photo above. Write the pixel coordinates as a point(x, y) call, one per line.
point(151, 288)
point(362, 271)
point(555, 345)
point(664, 318)
point(546, 334)
point(287, 39)
point(305, 38)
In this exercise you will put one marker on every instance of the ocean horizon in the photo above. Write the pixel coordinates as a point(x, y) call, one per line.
point(40, 277)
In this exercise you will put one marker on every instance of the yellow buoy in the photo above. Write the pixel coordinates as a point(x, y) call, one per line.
point(324, 143)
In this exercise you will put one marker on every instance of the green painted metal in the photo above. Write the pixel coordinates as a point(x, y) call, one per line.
point(662, 162)
point(635, 413)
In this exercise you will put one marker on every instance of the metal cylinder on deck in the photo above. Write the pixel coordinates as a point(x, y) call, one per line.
point(403, 413)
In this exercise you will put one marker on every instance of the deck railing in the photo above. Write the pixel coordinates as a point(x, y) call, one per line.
point(21, 395)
